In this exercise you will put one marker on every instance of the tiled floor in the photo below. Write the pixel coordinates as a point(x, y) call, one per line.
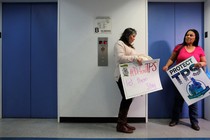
point(50, 128)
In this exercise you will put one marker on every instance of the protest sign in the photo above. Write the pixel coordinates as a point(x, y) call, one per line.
point(192, 83)
point(140, 80)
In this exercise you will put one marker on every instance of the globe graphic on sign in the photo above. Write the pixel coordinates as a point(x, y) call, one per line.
point(196, 88)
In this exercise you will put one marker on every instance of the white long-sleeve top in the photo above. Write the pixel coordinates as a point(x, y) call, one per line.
point(123, 54)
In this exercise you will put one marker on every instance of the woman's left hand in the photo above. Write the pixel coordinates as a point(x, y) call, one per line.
point(198, 65)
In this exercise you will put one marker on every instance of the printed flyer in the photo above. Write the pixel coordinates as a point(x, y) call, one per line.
point(192, 83)
point(140, 80)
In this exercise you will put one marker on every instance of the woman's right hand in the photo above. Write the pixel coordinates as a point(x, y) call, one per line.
point(139, 61)
point(165, 68)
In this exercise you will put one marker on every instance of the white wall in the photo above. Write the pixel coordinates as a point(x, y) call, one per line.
point(84, 88)
point(207, 51)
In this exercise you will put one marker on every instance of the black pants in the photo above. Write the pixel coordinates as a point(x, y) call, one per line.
point(177, 109)
point(125, 104)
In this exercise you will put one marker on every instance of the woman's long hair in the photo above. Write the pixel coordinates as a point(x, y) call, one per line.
point(125, 36)
point(195, 43)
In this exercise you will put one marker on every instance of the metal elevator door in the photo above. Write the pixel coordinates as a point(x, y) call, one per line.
point(29, 60)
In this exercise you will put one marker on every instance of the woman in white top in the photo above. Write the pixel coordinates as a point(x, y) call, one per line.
point(125, 52)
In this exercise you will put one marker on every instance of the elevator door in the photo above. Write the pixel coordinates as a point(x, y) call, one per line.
point(168, 23)
point(29, 66)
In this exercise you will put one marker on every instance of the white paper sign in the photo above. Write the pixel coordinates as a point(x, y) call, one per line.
point(103, 25)
point(140, 80)
point(192, 83)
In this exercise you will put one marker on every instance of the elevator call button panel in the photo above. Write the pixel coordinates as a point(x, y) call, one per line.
point(102, 51)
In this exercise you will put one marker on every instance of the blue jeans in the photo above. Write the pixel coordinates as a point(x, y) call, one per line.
point(177, 109)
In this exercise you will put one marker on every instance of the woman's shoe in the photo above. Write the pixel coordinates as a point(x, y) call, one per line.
point(130, 127)
point(123, 128)
point(173, 123)
point(195, 127)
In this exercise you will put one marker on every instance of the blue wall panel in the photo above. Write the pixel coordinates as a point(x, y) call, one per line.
point(190, 17)
point(161, 42)
point(30, 60)
point(44, 60)
point(167, 24)
point(16, 60)
point(186, 18)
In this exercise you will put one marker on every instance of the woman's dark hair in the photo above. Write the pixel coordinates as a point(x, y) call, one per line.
point(195, 43)
point(125, 36)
